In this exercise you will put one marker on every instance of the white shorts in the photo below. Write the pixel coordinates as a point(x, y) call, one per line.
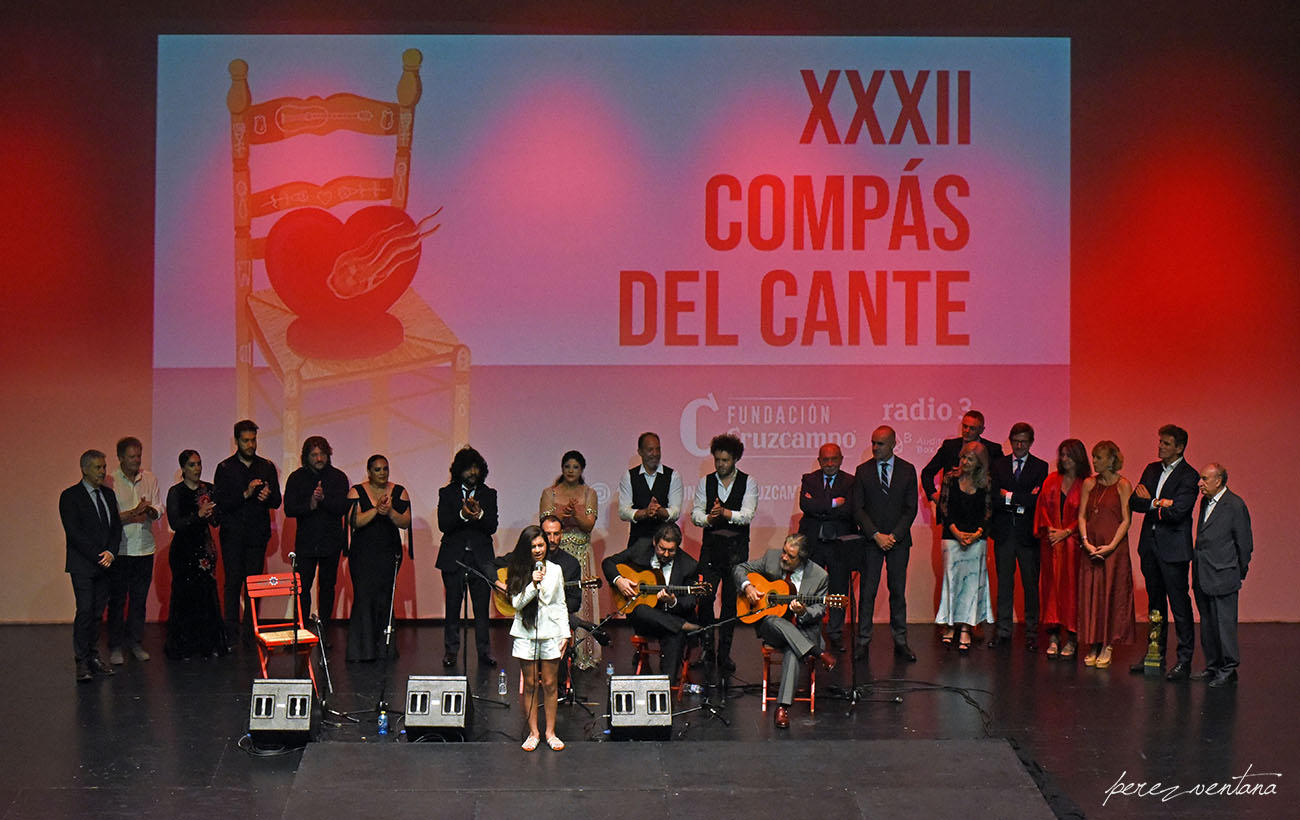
point(547, 649)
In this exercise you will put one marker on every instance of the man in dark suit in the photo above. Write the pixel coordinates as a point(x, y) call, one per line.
point(825, 498)
point(665, 621)
point(1165, 497)
point(799, 632)
point(949, 453)
point(467, 517)
point(247, 489)
point(884, 504)
point(93, 532)
point(1017, 478)
point(1222, 556)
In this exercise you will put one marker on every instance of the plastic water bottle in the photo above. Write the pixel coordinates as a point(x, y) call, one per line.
point(693, 688)
point(383, 722)
point(609, 672)
point(501, 682)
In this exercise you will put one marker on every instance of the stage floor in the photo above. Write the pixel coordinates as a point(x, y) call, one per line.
point(997, 733)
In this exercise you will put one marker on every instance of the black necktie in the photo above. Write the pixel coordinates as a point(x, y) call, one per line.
point(884, 474)
point(1020, 462)
point(101, 506)
point(828, 484)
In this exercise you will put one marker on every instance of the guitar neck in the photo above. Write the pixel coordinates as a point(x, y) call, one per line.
point(671, 589)
point(773, 598)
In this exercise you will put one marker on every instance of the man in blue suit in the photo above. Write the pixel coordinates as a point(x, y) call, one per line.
point(1165, 497)
point(1223, 548)
point(93, 532)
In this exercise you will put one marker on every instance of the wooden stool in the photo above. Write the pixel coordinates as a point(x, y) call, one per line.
point(771, 656)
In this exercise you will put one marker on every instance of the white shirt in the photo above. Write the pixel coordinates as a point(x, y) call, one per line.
point(674, 506)
point(1164, 474)
point(1213, 502)
point(748, 504)
point(137, 538)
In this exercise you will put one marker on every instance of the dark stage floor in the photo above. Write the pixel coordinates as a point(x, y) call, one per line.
point(161, 740)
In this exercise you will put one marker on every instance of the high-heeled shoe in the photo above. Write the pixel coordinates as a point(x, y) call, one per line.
point(1104, 658)
point(964, 644)
point(1091, 658)
point(948, 636)
point(1053, 647)
point(1069, 649)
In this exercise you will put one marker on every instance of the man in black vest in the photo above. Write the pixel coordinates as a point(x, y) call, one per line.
point(1017, 477)
point(93, 528)
point(725, 502)
point(650, 495)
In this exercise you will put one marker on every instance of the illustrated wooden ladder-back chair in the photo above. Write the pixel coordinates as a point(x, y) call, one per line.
point(263, 316)
point(279, 635)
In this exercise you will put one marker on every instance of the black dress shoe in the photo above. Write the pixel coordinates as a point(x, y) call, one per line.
point(862, 652)
point(997, 640)
point(1031, 643)
point(902, 650)
point(1140, 667)
point(1205, 674)
point(83, 672)
point(1179, 672)
point(448, 661)
point(487, 660)
point(1224, 679)
point(100, 668)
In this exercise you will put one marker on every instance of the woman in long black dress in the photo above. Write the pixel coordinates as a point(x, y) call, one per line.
point(194, 625)
point(379, 512)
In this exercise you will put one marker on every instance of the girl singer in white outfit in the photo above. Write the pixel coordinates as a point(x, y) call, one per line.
point(541, 627)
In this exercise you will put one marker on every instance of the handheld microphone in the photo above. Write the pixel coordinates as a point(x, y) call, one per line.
point(292, 557)
point(537, 567)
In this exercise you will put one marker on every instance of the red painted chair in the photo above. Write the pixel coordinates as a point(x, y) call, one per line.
point(279, 635)
point(773, 656)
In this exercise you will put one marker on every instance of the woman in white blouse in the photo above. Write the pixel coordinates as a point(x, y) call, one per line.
point(541, 627)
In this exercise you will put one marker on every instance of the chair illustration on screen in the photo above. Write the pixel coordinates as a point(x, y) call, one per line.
point(339, 309)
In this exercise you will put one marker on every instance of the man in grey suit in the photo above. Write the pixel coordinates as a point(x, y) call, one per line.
point(884, 504)
point(1220, 560)
point(800, 636)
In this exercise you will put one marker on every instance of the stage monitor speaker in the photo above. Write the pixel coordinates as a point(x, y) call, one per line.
point(640, 707)
point(437, 706)
point(281, 712)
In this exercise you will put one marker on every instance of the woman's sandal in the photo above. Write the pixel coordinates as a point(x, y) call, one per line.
point(964, 644)
point(1069, 649)
point(947, 636)
point(555, 743)
point(530, 743)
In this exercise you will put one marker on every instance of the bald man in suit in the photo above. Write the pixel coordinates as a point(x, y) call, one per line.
point(1221, 558)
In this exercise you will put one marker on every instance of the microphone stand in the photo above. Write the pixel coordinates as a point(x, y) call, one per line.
point(297, 608)
point(711, 683)
point(381, 705)
point(464, 619)
point(329, 683)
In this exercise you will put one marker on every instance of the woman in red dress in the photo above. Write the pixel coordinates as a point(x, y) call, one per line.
point(1105, 570)
point(1056, 522)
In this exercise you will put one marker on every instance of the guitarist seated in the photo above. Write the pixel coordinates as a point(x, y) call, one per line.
point(663, 617)
point(799, 631)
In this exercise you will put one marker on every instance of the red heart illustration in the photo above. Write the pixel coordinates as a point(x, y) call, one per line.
point(325, 269)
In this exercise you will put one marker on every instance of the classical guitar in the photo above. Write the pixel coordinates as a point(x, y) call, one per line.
point(776, 600)
point(502, 600)
point(648, 587)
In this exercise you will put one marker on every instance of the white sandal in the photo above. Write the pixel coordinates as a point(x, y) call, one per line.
point(530, 744)
point(555, 743)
